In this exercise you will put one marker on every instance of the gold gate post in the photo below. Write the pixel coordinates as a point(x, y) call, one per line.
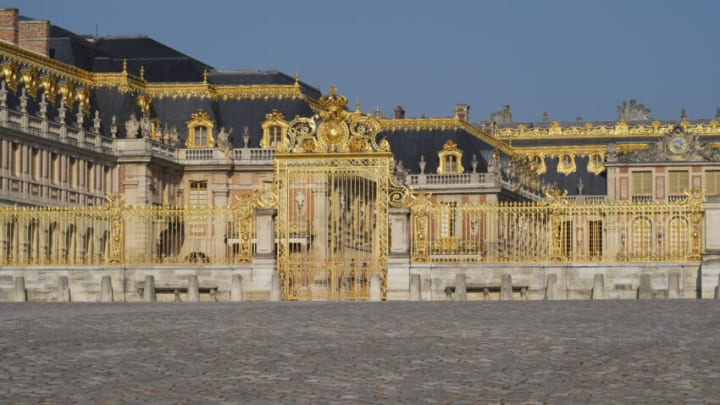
point(557, 204)
point(116, 208)
point(694, 201)
point(419, 208)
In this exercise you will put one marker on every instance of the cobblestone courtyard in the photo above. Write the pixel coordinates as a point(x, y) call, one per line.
point(394, 352)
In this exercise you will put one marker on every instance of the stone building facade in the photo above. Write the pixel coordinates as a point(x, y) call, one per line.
point(174, 166)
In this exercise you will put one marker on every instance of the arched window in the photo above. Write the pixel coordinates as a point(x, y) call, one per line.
point(200, 131)
point(450, 158)
point(678, 240)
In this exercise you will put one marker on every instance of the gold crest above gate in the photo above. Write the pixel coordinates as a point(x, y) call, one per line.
point(337, 131)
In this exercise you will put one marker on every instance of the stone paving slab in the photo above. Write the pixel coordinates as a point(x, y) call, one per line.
point(389, 352)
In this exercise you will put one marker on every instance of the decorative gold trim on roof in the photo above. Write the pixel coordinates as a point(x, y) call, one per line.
point(442, 124)
point(621, 128)
point(50, 71)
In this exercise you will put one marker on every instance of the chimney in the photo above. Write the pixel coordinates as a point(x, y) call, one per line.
point(9, 25)
point(462, 112)
point(399, 113)
point(33, 36)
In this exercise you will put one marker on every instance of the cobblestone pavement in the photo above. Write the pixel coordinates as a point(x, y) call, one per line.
point(394, 352)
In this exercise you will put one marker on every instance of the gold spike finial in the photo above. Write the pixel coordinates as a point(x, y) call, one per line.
point(357, 106)
point(297, 78)
point(142, 72)
point(205, 76)
point(124, 66)
point(333, 90)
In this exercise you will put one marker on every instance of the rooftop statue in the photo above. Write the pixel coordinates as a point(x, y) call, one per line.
point(633, 111)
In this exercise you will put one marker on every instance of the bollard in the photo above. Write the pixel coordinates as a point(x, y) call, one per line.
point(236, 292)
point(275, 293)
point(506, 287)
point(193, 294)
point(460, 288)
point(415, 287)
point(673, 285)
point(63, 289)
point(486, 294)
point(375, 288)
point(645, 291)
point(149, 292)
point(598, 289)
point(20, 291)
point(106, 290)
point(551, 287)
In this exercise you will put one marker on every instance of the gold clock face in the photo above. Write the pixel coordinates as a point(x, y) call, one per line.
point(678, 145)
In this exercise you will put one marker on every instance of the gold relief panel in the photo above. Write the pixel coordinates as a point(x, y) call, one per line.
point(596, 163)
point(10, 74)
point(538, 162)
point(47, 83)
point(30, 81)
point(566, 164)
point(66, 94)
point(200, 131)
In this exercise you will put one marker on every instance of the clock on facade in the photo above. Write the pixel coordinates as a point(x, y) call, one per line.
point(678, 145)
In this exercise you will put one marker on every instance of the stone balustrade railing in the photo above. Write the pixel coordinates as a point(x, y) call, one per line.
point(47, 129)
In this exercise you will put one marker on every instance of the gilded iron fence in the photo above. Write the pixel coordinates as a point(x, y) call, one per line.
point(118, 234)
point(557, 229)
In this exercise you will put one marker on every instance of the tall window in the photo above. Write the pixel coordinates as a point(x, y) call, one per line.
point(73, 172)
point(595, 239)
point(642, 185)
point(678, 182)
point(450, 164)
point(275, 135)
point(35, 164)
point(15, 159)
point(712, 182)
point(201, 136)
point(448, 219)
point(54, 168)
point(198, 194)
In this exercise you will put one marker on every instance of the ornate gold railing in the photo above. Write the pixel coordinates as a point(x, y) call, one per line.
point(555, 230)
point(118, 234)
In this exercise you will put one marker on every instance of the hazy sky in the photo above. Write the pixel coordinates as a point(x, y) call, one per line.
point(569, 58)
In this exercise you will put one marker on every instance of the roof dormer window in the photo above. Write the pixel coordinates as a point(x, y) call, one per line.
point(274, 130)
point(450, 158)
point(200, 131)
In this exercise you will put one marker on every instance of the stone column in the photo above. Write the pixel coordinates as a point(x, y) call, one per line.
point(598, 290)
point(414, 287)
point(63, 289)
point(264, 232)
point(106, 290)
point(193, 294)
point(20, 291)
point(645, 291)
point(673, 285)
point(375, 293)
point(460, 288)
point(399, 231)
point(551, 287)
point(506, 287)
point(149, 291)
point(236, 292)
point(275, 292)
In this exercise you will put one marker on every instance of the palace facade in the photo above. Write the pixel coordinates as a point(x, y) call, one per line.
point(121, 157)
